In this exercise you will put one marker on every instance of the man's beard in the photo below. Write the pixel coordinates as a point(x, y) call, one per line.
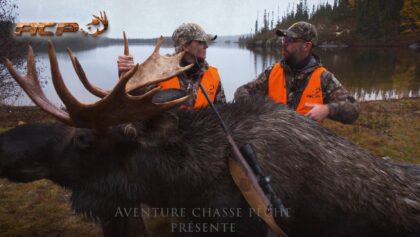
point(291, 59)
point(200, 60)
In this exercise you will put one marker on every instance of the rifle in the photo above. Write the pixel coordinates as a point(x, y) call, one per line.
point(247, 181)
point(264, 180)
point(244, 177)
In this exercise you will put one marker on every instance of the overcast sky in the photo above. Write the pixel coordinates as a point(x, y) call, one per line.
point(151, 18)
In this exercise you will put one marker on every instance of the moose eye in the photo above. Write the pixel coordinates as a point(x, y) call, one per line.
point(84, 140)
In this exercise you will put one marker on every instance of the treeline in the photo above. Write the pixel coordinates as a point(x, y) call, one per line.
point(79, 42)
point(15, 48)
point(358, 19)
point(8, 48)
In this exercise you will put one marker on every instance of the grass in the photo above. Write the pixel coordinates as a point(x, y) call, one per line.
point(4, 129)
point(39, 208)
point(386, 128)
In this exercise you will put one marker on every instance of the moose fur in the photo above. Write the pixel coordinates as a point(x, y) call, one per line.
point(331, 186)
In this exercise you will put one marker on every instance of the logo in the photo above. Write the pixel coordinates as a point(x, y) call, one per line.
point(315, 93)
point(100, 23)
point(312, 96)
point(211, 90)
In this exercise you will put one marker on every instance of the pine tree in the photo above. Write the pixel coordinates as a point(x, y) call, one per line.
point(272, 20)
point(256, 26)
point(368, 23)
point(313, 11)
point(299, 11)
point(9, 48)
point(265, 21)
point(410, 16)
point(305, 11)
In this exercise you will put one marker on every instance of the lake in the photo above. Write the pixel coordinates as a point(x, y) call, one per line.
point(368, 73)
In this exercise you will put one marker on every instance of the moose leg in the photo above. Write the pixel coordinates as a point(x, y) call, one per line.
point(124, 227)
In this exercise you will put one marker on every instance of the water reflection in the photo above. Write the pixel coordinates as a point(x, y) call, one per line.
point(369, 74)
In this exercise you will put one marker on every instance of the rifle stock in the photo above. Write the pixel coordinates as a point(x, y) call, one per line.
point(248, 184)
point(246, 180)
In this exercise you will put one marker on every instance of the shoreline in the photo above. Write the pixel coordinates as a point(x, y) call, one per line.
point(409, 41)
point(343, 45)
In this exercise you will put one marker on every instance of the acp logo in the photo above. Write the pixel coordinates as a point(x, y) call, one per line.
point(40, 28)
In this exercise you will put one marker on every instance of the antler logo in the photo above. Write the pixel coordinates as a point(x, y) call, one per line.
point(96, 21)
point(34, 28)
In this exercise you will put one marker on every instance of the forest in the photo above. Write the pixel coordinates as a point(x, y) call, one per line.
point(348, 21)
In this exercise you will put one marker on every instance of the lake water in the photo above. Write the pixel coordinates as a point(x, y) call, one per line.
point(369, 74)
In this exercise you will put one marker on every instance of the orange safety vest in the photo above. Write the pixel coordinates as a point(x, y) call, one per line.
point(210, 81)
point(277, 90)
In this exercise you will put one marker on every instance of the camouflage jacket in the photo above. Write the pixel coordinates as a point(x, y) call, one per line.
point(343, 106)
point(190, 79)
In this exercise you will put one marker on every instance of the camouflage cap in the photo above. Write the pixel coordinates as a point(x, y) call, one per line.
point(187, 32)
point(302, 30)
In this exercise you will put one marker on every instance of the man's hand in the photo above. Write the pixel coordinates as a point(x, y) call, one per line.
point(318, 112)
point(125, 63)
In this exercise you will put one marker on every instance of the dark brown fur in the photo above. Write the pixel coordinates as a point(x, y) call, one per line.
point(179, 159)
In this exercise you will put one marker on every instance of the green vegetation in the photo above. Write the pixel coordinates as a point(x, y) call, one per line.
point(40, 209)
point(410, 16)
point(3, 129)
point(386, 128)
point(353, 22)
point(11, 116)
point(8, 48)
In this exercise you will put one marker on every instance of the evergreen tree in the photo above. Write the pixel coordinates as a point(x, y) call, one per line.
point(368, 23)
point(299, 11)
point(265, 22)
point(272, 20)
point(369, 19)
point(9, 48)
point(313, 11)
point(305, 11)
point(256, 26)
point(410, 16)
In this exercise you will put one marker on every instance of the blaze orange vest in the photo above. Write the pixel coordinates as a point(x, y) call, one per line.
point(277, 90)
point(210, 81)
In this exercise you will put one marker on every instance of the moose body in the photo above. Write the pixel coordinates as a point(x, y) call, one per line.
point(127, 149)
point(179, 159)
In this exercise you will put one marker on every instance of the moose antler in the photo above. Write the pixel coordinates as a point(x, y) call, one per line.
point(117, 106)
point(82, 75)
point(155, 69)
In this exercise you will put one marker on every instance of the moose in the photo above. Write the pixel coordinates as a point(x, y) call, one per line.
point(134, 147)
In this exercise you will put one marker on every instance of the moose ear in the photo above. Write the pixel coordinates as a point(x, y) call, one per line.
point(166, 122)
point(159, 129)
point(165, 96)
